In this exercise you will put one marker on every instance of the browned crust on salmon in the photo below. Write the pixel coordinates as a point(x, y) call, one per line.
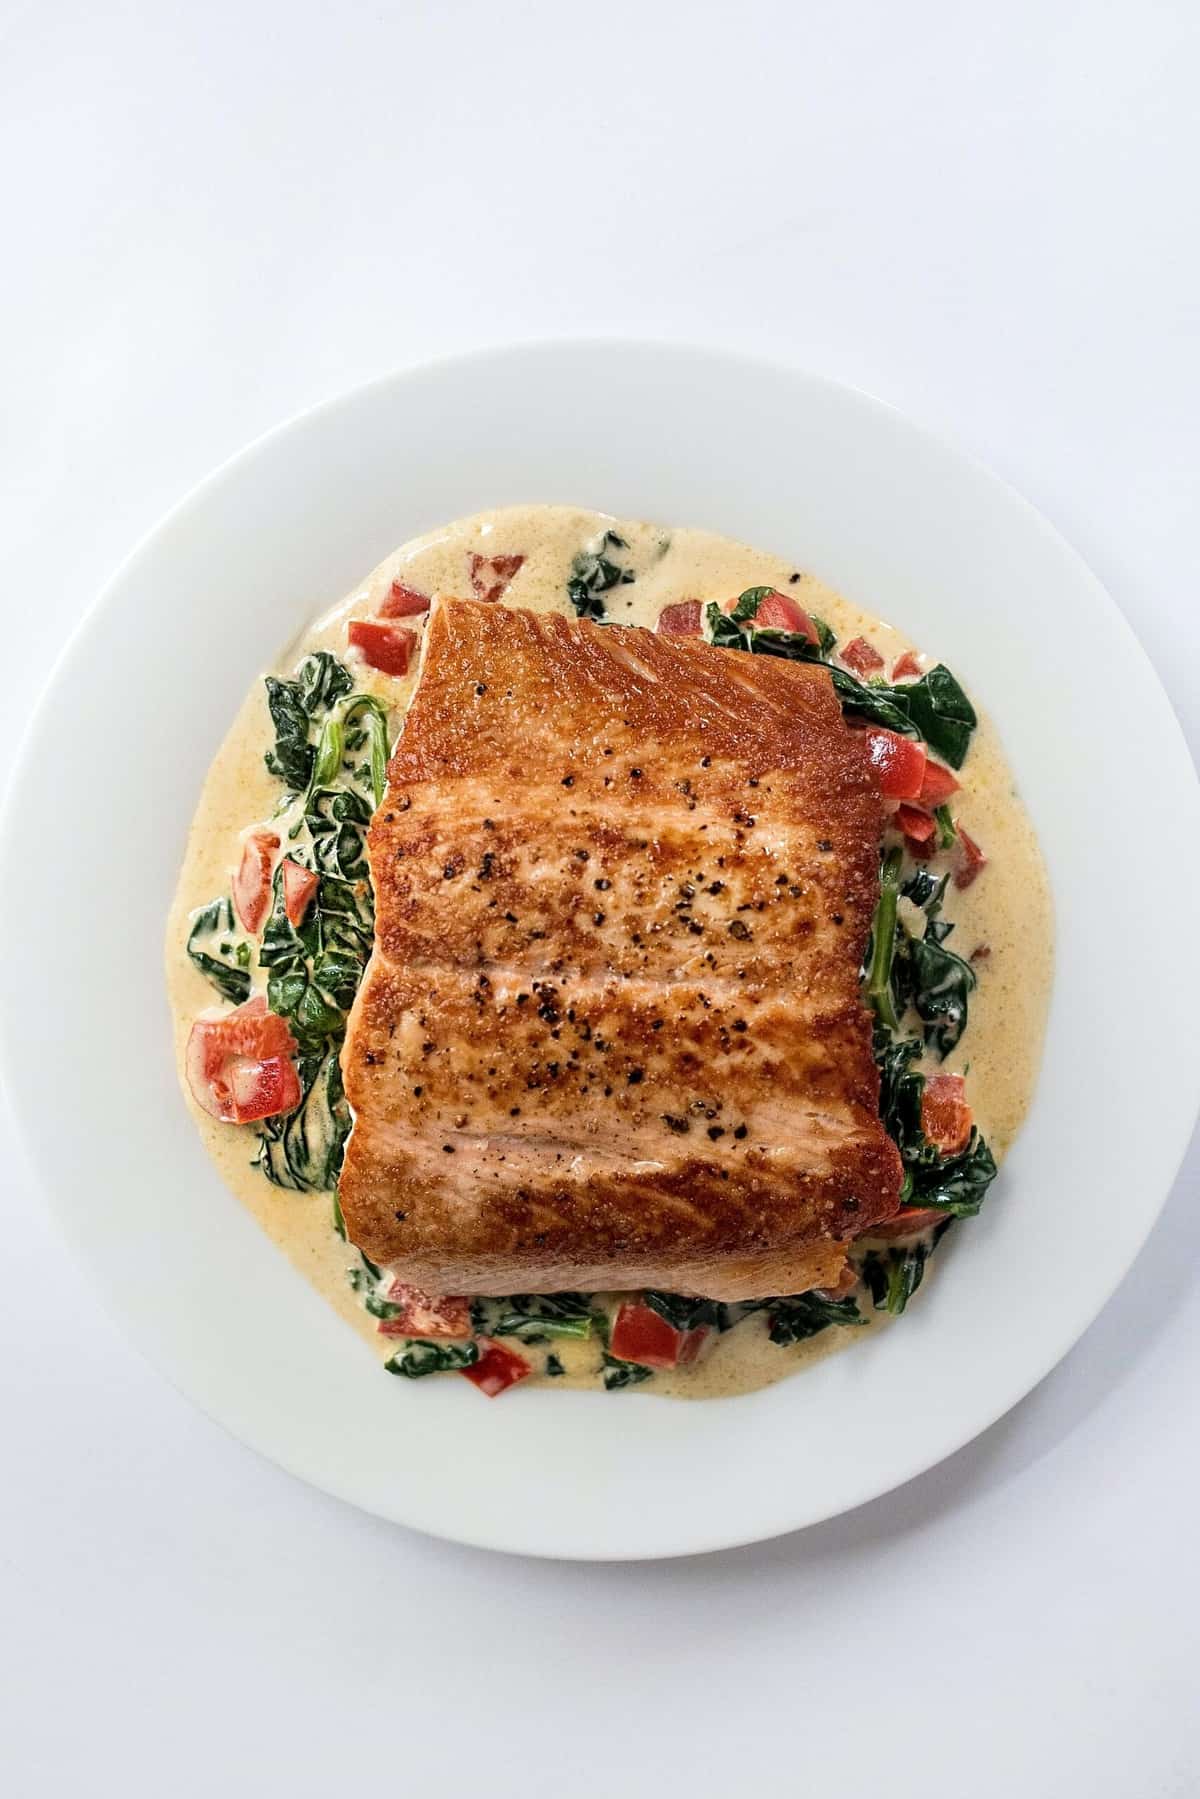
point(611, 1035)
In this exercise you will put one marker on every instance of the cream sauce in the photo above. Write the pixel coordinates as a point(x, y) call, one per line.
point(1007, 910)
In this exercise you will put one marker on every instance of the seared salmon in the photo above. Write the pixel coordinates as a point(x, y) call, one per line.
point(611, 1034)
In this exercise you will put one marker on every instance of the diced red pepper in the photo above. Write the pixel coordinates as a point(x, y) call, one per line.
point(388, 647)
point(861, 656)
point(425, 1314)
point(642, 1335)
point(779, 612)
point(899, 762)
point(945, 1115)
point(918, 826)
point(497, 1368)
point(238, 1064)
point(490, 575)
point(680, 620)
point(252, 882)
point(299, 886)
point(973, 858)
point(906, 667)
point(937, 786)
point(907, 1220)
point(404, 602)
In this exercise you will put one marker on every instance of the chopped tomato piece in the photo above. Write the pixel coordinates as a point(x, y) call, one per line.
point(973, 858)
point(642, 1335)
point(249, 1030)
point(918, 826)
point(906, 667)
point(945, 1115)
point(907, 1220)
point(899, 763)
point(425, 1314)
point(239, 1066)
point(779, 612)
point(937, 785)
point(388, 648)
point(299, 886)
point(252, 882)
point(861, 656)
point(404, 602)
point(680, 620)
point(496, 1369)
point(490, 575)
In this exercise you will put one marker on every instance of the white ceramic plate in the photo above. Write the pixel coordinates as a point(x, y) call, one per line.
point(825, 477)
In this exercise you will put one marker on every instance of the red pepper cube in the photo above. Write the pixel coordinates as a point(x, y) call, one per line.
point(404, 602)
point(861, 656)
point(386, 647)
point(680, 620)
point(497, 1369)
point(898, 761)
point(642, 1335)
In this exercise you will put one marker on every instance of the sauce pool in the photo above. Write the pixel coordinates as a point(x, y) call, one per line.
point(1006, 912)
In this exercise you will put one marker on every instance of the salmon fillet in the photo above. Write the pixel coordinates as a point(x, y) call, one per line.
point(611, 1033)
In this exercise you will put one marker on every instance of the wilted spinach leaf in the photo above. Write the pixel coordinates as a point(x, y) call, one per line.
point(320, 682)
point(935, 708)
point(536, 1317)
point(623, 1374)
point(303, 1149)
point(688, 1314)
point(422, 1358)
point(593, 573)
point(959, 1184)
point(215, 954)
point(936, 983)
point(805, 1314)
point(736, 631)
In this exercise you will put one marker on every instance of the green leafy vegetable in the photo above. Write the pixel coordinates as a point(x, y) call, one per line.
point(749, 602)
point(593, 574)
point(553, 1366)
point(734, 631)
point(879, 704)
point(879, 994)
point(947, 833)
point(314, 969)
point(805, 1314)
point(941, 713)
point(892, 1276)
point(925, 890)
point(366, 714)
point(420, 1359)
point(686, 1314)
point(934, 708)
point(901, 1087)
point(623, 1374)
point(957, 1185)
point(303, 1150)
point(536, 1317)
point(218, 959)
point(320, 682)
point(935, 982)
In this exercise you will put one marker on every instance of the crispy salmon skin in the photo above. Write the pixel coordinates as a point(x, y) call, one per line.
point(611, 1034)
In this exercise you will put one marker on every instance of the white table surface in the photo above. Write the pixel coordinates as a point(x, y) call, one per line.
point(214, 214)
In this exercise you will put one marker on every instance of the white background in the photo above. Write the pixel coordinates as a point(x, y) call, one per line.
point(212, 215)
